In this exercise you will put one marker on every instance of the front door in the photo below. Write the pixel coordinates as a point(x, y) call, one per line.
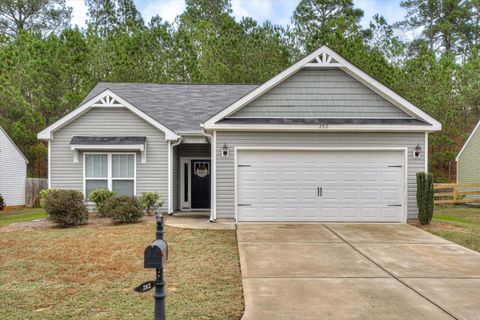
point(200, 177)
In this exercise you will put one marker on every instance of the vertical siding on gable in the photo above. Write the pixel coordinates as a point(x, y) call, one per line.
point(151, 176)
point(321, 93)
point(13, 172)
point(469, 163)
point(225, 166)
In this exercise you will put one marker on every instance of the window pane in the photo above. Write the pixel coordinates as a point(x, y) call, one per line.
point(96, 166)
point(185, 182)
point(123, 165)
point(92, 185)
point(122, 187)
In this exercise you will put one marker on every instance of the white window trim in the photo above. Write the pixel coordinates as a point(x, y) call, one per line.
point(186, 205)
point(109, 177)
point(130, 147)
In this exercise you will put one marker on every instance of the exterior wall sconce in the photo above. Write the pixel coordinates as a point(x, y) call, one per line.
point(225, 150)
point(417, 151)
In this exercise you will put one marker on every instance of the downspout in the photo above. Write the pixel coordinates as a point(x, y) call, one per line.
point(213, 159)
point(170, 173)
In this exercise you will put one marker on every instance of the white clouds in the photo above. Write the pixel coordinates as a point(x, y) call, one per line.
point(79, 12)
point(167, 9)
point(277, 11)
point(389, 9)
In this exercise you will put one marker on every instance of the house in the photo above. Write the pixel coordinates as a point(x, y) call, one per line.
point(13, 172)
point(320, 141)
point(468, 161)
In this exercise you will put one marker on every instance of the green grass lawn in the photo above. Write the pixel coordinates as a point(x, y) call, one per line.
point(457, 224)
point(89, 272)
point(22, 215)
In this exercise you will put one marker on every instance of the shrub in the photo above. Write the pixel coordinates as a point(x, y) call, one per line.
point(425, 197)
point(66, 207)
point(124, 209)
point(43, 196)
point(150, 201)
point(2, 203)
point(100, 197)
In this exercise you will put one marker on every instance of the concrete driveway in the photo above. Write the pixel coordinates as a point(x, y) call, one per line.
point(359, 271)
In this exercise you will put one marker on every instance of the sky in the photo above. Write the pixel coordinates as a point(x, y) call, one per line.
point(277, 11)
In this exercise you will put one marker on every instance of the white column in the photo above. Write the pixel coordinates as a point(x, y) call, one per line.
point(213, 204)
point(426, 152)
point(49, 164)
point(170, 208)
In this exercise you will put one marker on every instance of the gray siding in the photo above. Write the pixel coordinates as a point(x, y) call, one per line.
point(469, 163)
point(321, 93)
point(225, 166)
point(151, 176)
point(185, 150)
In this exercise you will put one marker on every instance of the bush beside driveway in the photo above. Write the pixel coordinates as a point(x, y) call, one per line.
point(89, 272)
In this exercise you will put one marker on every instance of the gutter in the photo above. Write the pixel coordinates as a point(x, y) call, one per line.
point(170, 174)
point(211, 139)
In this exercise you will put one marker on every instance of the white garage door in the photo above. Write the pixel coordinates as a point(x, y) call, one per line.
point(354, 186)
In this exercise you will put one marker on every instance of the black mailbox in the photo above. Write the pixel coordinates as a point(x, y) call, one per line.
point(156, 254)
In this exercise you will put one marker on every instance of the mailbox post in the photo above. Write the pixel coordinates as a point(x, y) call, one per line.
point(154, 257)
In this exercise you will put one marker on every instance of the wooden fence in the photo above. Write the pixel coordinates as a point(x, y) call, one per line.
point(445, 193)
point(33, 186)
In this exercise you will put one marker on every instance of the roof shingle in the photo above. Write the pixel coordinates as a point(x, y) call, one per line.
point(179, 107)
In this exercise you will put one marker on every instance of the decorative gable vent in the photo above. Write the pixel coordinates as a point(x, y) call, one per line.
point(323, 60)
point(107, 101)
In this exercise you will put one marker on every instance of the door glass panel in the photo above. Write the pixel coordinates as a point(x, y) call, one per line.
point(123, 187)
point(185, 182)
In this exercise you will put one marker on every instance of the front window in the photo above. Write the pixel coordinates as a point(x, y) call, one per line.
point(123, 168)
point(113, 171)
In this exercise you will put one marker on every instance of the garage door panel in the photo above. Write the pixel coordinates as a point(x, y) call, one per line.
point(355, 186)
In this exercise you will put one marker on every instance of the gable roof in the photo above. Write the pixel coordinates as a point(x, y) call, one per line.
point(477, 127)
point(13, 144)
point(172, 108)
point(324, 57)
point(180, 107)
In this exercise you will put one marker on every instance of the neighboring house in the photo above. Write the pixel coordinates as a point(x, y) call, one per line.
point(13, 171)
point(468, 161)
point(321, 141)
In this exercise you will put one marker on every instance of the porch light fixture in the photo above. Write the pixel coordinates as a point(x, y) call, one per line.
point(417, 151)
point(225, 150)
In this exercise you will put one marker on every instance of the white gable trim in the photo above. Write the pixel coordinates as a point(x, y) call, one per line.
point(106, 99)
point(323, 128)
point(324, 57)
point(14, 145)
point(468, 140)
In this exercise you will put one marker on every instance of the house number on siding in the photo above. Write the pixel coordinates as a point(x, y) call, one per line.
point(323, 126)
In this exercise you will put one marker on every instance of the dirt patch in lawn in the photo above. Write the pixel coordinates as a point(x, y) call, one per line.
point(443, 226)
point(89, 272)
point(456, 223)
